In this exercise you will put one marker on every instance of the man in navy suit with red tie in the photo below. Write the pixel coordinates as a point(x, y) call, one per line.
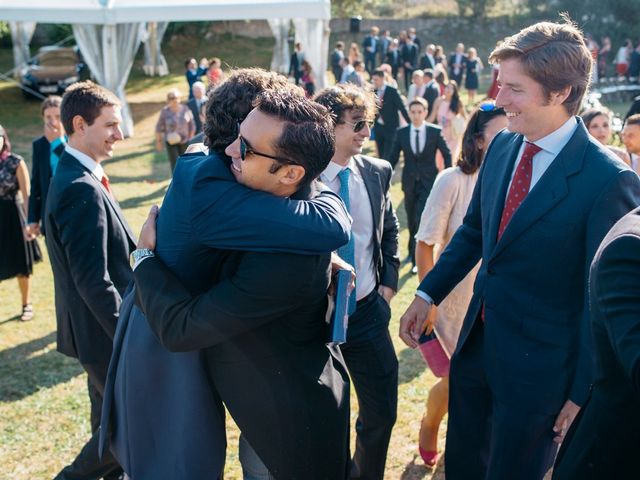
point(547, 194)
point(89, 243)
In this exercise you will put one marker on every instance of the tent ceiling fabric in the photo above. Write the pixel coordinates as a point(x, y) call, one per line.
point(109, 32)
point(128, 11)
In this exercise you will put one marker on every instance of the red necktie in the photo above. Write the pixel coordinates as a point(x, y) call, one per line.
point(518, 190)
point(105, 182)
point(519, 186)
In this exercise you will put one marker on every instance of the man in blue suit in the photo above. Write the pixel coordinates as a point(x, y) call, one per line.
point(164, 414)
point(546, 195)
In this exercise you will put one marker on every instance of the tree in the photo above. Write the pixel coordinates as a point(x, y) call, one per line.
point(477, 9)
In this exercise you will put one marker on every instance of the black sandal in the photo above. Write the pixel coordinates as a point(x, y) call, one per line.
point(27, 312)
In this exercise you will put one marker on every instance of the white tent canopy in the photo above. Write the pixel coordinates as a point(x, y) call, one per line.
point(105, 28)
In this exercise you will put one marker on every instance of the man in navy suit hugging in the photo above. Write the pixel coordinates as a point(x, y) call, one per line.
point(231, 305)
point(547, 194)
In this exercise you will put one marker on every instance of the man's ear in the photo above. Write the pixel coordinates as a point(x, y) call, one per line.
point(79, 125)
point(293, 174)
point(559, 97)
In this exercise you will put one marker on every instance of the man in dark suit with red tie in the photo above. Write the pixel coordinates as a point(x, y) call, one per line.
point(547, 194)
point(89, 243)
point(389, 106)
point(419, 143)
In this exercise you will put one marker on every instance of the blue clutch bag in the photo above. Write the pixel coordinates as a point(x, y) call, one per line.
point(340, 318)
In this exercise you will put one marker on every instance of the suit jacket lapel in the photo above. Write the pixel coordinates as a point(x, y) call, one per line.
point(549, 190)
point(116, 207)
point(111, 200)
point(371, 180)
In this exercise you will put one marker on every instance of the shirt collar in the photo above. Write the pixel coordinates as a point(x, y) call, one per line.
point(556, 140)
point(333, 169)
point(89, 163)
point(421, 128)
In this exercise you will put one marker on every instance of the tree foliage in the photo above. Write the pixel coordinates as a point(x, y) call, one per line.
point(476, 9)
point(618, 19)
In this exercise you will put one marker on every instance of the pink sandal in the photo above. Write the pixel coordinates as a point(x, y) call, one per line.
point(430, 457)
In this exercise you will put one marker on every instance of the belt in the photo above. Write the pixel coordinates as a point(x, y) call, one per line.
point(367, 298)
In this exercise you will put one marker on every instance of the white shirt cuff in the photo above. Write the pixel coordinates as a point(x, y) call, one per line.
point(424, 296)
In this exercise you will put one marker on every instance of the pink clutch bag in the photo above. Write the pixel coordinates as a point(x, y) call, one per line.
point(433, 353)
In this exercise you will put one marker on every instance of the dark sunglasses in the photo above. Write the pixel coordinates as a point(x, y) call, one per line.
point(359, 125)
point(246, 149)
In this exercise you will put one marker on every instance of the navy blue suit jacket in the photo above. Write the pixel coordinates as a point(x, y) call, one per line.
point(89, 242)
point(533, 281)
point(603, 439)
point(165, 418)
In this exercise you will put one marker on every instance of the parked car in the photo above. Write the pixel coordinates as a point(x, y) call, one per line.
point(53, 70)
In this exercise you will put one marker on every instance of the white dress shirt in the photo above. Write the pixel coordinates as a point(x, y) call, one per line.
point(414, 92)
point(635, 162)
point(380, 94)
point(551, 146)
point(89, 163)
point(422, 129)
point(362, 227)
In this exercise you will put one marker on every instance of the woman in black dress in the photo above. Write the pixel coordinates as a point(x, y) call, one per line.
point(474, 66)
point(19, 249)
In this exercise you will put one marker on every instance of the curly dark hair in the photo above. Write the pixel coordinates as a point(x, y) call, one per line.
point(233, 99)
point(308, 138)
point(345, 97)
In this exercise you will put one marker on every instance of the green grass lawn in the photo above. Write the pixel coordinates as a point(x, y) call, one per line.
point(44, 407)
point(43, 401)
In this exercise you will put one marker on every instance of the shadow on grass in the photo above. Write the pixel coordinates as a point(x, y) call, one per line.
point(411, 365)
point(142, 199)
point(128, 156)
point(10, 319)
point(405, 277)
point(23, 372)
point(419, 471)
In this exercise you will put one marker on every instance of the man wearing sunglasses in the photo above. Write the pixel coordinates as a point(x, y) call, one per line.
point(237, 286)
point(363, 183)
point(419, 144)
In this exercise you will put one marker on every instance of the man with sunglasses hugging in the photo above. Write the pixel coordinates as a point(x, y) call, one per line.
point(234, 297)
point(363, 183)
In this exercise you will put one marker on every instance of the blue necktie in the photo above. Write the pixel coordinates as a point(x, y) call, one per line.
point(347, 252)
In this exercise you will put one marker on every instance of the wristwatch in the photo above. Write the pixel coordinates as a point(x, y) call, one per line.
point(139, 254)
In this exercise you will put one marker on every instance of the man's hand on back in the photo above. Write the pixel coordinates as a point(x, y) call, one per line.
point(147, 238)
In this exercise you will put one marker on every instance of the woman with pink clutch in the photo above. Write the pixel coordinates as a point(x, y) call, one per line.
point(442, 215)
